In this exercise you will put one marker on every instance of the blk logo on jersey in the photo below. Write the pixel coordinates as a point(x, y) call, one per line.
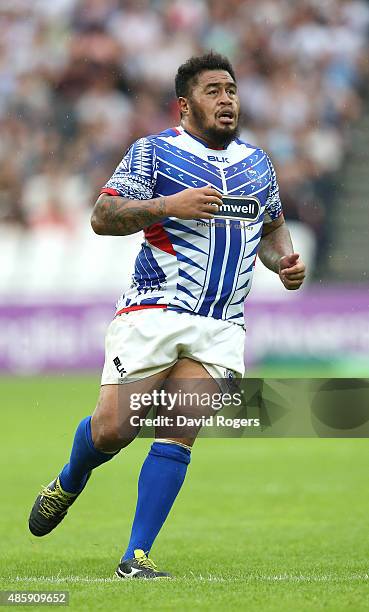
point(240, 208)
point(222, 160)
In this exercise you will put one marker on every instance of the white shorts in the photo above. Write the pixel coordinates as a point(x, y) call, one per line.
point(142, 343)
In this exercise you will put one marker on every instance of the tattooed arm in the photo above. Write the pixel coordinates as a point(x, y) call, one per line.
point(117, 216)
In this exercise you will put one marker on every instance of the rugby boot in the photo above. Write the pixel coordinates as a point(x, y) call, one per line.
point(50, 507)
point(139, 567)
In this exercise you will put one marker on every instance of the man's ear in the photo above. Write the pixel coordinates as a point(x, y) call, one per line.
point(183, 106)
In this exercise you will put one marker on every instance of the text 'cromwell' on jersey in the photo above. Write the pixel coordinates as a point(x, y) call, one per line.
point(241, 208)
point(202, 268)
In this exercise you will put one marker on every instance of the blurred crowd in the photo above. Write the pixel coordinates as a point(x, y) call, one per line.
point(81, 79)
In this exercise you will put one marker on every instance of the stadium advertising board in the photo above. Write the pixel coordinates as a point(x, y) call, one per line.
point(330, 325)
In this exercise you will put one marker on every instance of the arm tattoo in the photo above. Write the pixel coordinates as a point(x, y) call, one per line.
point(117, 216)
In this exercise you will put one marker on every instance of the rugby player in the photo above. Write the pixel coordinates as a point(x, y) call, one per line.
point(207, 203)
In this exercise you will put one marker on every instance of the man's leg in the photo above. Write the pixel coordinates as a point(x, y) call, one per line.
point(83, 459)
point(165, 467)
point(97, 440)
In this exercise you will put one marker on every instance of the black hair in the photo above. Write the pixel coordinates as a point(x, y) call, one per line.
point(188, 72)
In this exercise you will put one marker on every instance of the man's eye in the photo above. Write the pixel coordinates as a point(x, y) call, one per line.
point(231, 92)
point(212, 91)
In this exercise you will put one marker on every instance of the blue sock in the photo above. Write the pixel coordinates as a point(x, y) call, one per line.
point(83, 458)
point(161, 478)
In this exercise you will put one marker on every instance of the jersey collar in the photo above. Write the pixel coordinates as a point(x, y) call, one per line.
point(183, 131)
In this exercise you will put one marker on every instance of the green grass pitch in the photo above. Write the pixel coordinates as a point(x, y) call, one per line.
point(272, 524)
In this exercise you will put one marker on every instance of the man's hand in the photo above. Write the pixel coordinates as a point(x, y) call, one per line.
point(194, 203)
point(291, 271)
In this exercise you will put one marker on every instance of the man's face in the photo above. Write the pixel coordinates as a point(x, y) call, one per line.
point(213, 107)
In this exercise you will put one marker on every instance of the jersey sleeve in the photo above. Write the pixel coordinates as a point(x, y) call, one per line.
point(135, 176)
point(273, 205)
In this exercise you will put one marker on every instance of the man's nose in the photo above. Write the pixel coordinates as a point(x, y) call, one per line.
point(224, 98)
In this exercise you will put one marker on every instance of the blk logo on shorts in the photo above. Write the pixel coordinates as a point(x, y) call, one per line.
point(118, 364)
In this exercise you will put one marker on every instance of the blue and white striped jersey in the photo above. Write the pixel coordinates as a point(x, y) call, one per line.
point(203, 267)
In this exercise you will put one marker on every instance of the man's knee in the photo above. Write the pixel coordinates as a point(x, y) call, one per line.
point(110, 437)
